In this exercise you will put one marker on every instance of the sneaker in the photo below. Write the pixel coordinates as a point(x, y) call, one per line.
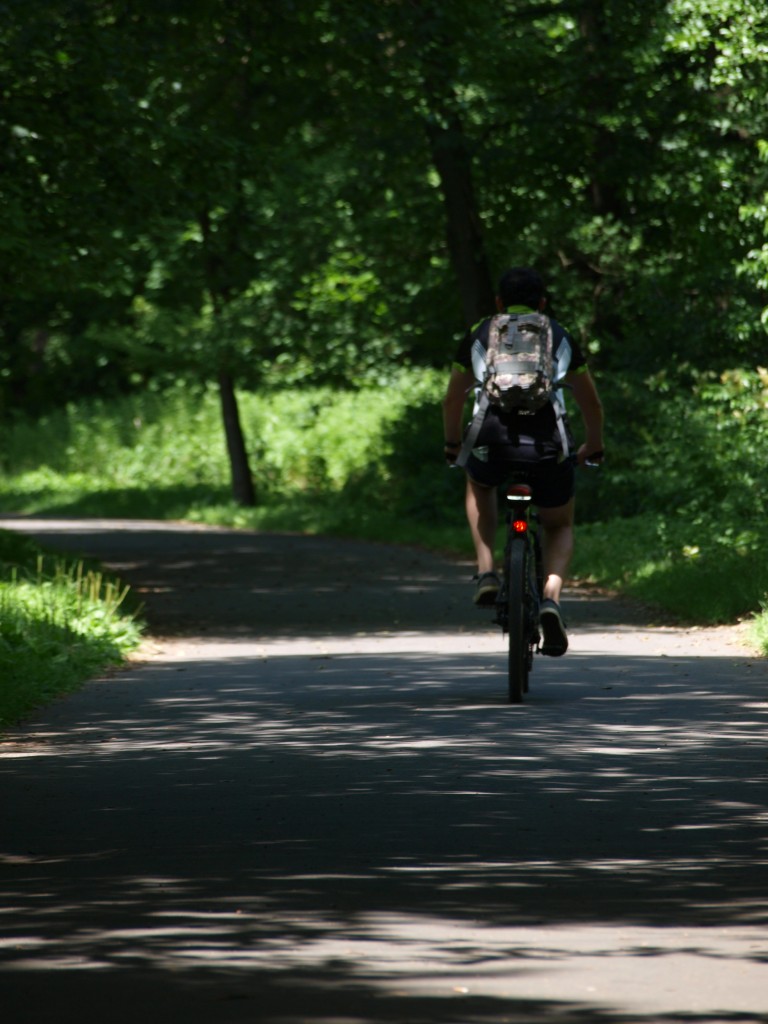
point(555, 639)
point(487, 589)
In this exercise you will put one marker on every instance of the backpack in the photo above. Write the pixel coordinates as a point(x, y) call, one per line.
point(519, 364)
point(519, 374)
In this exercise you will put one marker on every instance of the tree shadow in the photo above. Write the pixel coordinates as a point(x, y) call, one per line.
point(374, 835)
point(117, 502)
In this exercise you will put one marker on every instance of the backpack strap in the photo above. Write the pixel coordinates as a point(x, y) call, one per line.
point(561, 429)
point(474, 429)
point(559, 411)
point(477, 421)
point(483, 400)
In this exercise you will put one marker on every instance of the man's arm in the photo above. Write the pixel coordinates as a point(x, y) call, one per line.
point(459, 384)
point(591, 408)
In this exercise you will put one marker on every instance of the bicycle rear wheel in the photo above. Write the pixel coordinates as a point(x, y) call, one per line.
point(517, 625)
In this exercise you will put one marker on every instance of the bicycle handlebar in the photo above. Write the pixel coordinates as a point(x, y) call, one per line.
point(592, 461)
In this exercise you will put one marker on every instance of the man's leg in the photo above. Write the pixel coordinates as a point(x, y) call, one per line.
point(482, 516)
point(557, 529)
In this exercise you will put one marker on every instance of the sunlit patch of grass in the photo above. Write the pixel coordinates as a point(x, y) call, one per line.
point(758, 629)
point(698, 575)
point(61, 622)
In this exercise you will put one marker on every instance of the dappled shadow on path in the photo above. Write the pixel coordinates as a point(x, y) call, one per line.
point(203, 581)
point(378, 836)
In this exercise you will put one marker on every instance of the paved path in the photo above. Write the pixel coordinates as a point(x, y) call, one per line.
point(310, 802)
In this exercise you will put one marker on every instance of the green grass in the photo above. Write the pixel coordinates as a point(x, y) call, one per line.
point(758, 632)
point(689, 572)
point(61, 622)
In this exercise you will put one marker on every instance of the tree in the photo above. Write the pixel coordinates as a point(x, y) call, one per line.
point(67, 121)
point(244, 190)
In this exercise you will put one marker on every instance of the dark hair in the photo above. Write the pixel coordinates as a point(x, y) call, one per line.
point(521, 286)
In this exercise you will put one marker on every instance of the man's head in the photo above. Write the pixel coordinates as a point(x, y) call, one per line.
point(521, 286)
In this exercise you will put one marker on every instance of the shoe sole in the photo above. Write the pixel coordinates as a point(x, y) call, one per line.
point(487, 590)
point(555, 638)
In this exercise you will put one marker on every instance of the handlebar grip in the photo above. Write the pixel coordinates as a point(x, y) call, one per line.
point(594, 459)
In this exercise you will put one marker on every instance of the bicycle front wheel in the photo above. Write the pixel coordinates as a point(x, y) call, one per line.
point(519, 654)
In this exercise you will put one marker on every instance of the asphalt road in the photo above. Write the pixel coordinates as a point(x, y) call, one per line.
point(309, 801)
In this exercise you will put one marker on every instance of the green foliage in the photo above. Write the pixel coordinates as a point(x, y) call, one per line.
point(759, 629)
point(690, 441)
point(690, 570)
point(682, 502)
point(341, 457)
point(147, 438)
point(60, 623)
point(622, 156)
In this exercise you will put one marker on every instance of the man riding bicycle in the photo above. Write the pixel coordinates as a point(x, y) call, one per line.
point(525, 440)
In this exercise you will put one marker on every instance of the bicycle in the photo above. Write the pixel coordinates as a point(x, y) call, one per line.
point(517, 606)
point(522, 586)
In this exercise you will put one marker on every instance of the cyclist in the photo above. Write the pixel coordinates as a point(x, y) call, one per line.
point(530, 440)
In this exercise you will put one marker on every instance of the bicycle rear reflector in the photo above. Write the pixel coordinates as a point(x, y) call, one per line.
point(519, 491)
point(520, 525)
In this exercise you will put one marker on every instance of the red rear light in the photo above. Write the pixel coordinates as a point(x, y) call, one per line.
point(520, 525)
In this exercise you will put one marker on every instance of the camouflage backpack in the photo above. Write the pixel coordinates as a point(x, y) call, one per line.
point(519, 374)
point(519, 364)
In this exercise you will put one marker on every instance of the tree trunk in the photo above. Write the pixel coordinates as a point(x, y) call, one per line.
point(243, 490)
point(464, 229)
point(604, 189)
point(598, 99)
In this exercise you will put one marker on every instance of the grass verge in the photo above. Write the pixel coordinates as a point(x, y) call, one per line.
point(61, 623)
point(697, 575)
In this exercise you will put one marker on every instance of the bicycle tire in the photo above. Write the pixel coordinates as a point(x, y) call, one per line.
point(517, 625)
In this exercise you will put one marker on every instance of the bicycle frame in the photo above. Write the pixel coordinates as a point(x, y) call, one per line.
point(519, 597)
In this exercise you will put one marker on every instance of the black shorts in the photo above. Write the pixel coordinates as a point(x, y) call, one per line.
point(552, 481)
